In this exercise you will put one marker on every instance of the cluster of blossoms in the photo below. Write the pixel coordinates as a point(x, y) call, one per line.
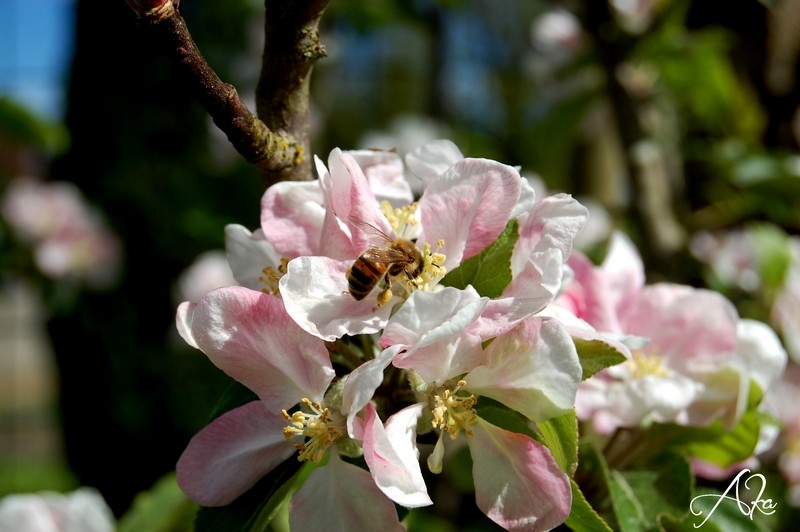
point(68, 237)
point(358, 348)
point(691, 359)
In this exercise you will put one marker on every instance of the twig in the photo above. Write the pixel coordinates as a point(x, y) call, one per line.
point(278, 146)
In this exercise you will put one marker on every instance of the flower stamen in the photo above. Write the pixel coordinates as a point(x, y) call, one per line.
point(317, 425)
point(403, 220)
point(640, 365)
point(272, 277)
point(454, 412)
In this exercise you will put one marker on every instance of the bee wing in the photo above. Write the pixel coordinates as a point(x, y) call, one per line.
point(370, 231)
point(385, 255)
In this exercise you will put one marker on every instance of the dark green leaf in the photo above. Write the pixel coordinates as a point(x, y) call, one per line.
point(503, 417)
point(596, 355)
point(714, 443)
point(560, 435)
point(489, 272)
point(640, 497)
point(164, 508)
point(582, 517)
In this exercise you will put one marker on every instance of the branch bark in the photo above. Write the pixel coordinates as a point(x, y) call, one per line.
point(276, 141)
point(291, 48)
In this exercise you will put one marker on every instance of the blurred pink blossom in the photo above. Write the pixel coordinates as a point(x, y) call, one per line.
point(68, 237)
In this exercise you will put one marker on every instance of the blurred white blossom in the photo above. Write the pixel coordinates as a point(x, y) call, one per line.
point(82, 510)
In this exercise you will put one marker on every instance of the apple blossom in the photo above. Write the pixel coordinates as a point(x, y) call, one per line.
point(458, 215)
point(692, 359)
point(248, 335)
point(533, 370)
point(68, 237)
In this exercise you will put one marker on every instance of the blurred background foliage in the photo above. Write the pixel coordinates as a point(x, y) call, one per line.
point(675, 116)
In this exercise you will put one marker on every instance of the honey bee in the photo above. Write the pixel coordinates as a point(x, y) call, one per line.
point(391, 260)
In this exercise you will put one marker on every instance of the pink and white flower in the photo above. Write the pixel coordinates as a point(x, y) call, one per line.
point(248, 335)
point(533, 370)
point(692, 359)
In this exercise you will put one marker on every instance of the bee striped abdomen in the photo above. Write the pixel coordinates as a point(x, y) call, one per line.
point(363, 276)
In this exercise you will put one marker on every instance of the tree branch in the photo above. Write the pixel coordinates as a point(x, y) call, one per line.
point(291, 48)
point(274, 147)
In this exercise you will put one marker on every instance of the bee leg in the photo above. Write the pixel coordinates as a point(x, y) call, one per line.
point(386, 295)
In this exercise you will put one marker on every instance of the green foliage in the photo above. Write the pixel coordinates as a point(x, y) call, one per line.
point(560, 435)
point(642, 497)
point(489, 272)
point(596, 355)
point(19, 125)
point(164, 508)
point(582, 517)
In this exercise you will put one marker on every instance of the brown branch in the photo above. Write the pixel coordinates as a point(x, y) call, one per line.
point(291, 48)
point(272, 150)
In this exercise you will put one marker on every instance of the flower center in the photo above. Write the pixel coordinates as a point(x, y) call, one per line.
point(403, 219)
point(272, 276)
point(454, 412)
point(318, 425)
point(642, 365)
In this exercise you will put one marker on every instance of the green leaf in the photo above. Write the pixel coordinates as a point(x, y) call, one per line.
point(489, 272)
point(560, 435)
point(596, 355)
point(582, 517)
point(642, 497)
point(164, 508)
point(501, 416)
point(715, 443)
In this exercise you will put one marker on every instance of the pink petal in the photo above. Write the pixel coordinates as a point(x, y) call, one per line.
point(534, 370)
point(432, 325)
point(232, 453)
point(341, 496)
point(384, 171)
point(248, 254)
point(249, 336)
point(352, 201)
point(553, 223)
point(362, 383)
point(431, 160)
point(528, 293)
point(623, 271)
point(468, 207)
point(588, 296)
point(314, 291)
point(517, 481)
point(693, 328)
point(291, 217)
point(392, 456)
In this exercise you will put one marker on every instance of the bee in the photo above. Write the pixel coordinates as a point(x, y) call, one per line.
point(394, 258)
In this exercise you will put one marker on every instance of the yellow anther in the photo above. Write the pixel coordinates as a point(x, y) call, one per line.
point(272, 277)
point(641, 365)
point(453, 412)
point(317, 425)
